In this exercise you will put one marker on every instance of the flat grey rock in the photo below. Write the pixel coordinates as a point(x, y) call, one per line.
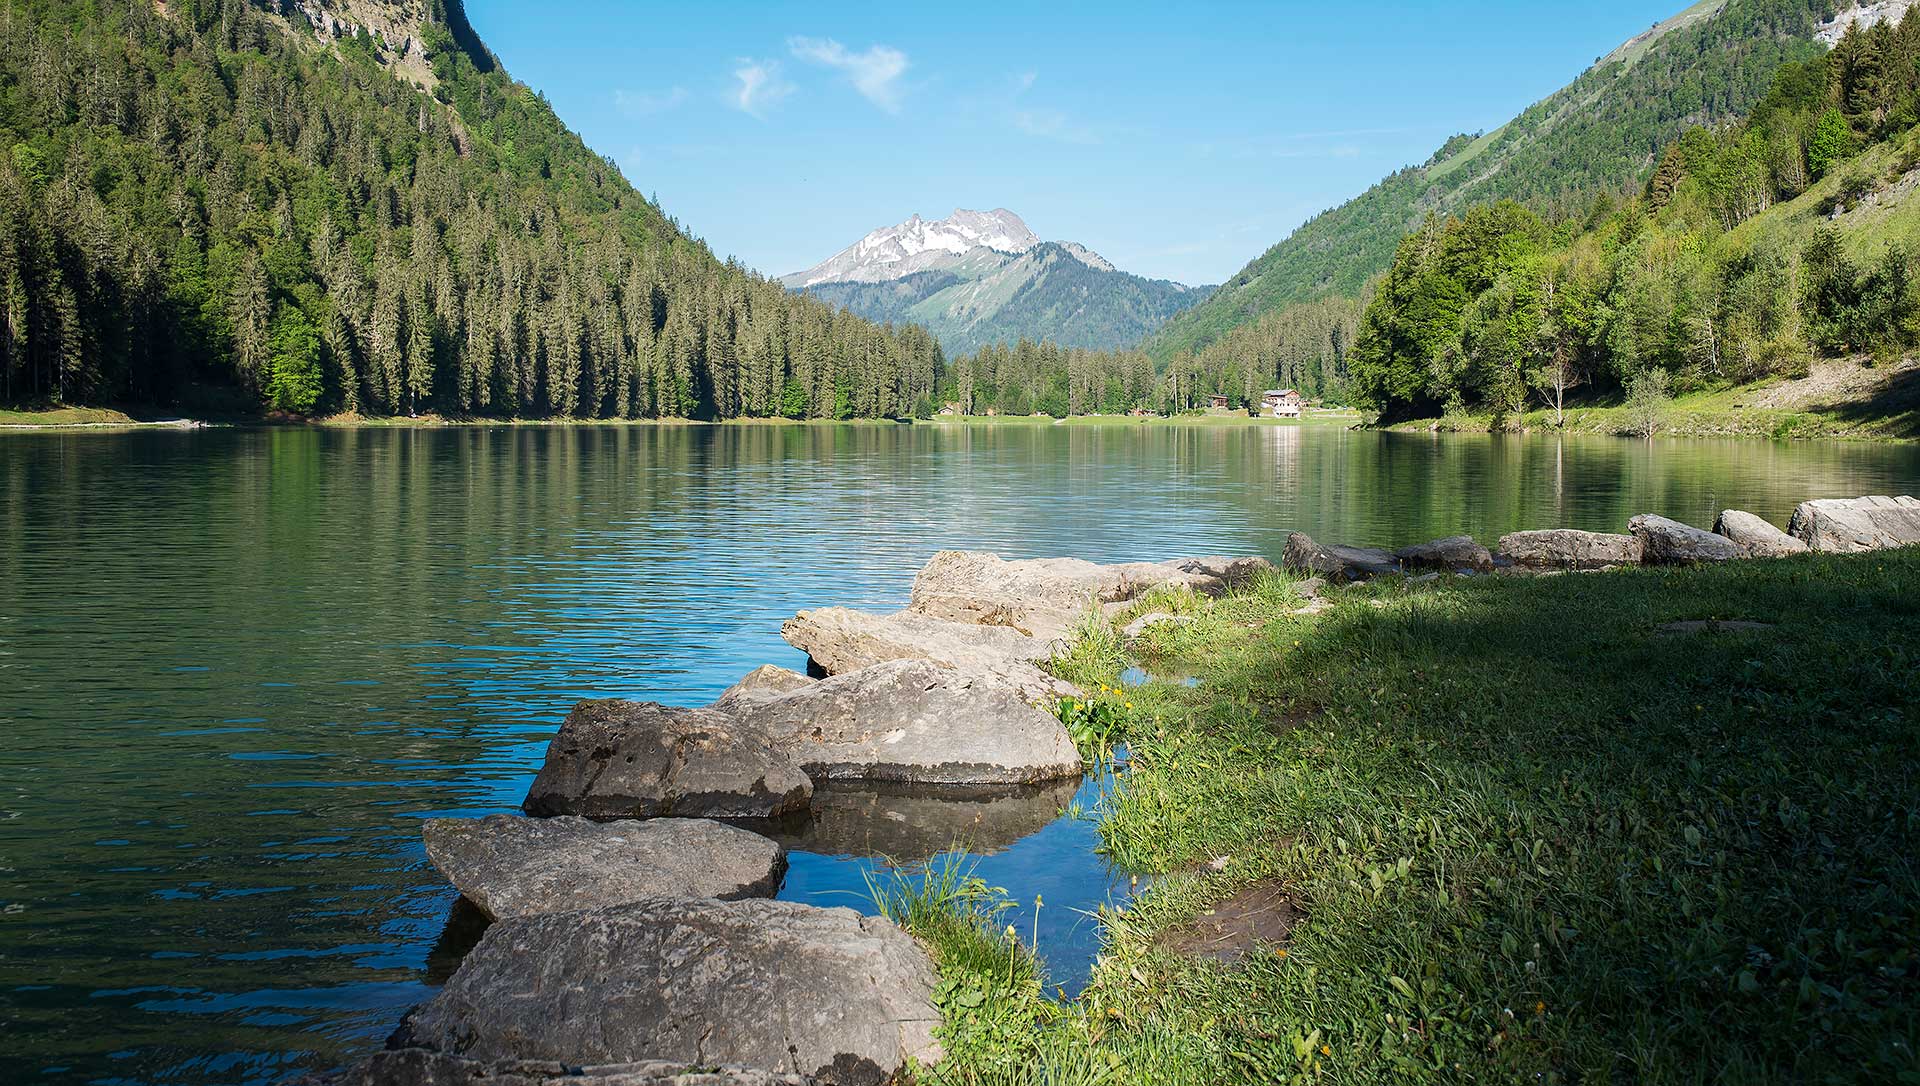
point(511, 866)
point(1755, 537)
point(839, 640)
point(1669, 542)
point(765, 681)
point(1456, 554)
point(624, 759)
point(1561, 549)
point(1336, 563)
point(1043, 597)
point(914, 721)
point(1139, 626)
point(423, 1067)
point(1851, 525)
point(774, 985)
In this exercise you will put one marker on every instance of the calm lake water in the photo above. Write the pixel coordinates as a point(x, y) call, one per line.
point(237, 668)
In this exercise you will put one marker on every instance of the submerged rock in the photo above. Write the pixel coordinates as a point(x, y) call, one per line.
point(1673, 543)
point(913, 823)
point(1848, 525)
point(915, 721)
point(1566, 548)
point(510, 866)
point(1043, 597)
point(1755, 537)
point(423, 1067)
point(623, 759)
point(839, 640)
point(1336, 563)
point(1459, 554)
point(775, 985)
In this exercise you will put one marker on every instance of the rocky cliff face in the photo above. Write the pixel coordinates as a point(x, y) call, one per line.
point(1865, 15)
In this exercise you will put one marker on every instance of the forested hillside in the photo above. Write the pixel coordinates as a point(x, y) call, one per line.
point(1602, 132)
point(1753, 250)
point(346, 205)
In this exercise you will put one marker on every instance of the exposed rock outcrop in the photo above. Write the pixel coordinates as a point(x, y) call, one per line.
point(623, 759)
point(915, 721)
point(765, 681)
point(1669, 542)
point(1337, 563)
point(1568, 549)
point(1756, 537)
point(767, 984)
point(1043, 597)
point(1849, 525)
point(839, 640)
point(1457, 554)
point(510, 866)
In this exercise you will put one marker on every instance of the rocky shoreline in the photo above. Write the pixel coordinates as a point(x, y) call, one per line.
point(633, 940)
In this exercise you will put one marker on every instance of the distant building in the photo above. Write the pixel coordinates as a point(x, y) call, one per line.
point(1218, 403)
point(950, 409)
point(1281, 403)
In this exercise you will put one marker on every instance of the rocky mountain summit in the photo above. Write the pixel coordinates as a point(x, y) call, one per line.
point(979, 277)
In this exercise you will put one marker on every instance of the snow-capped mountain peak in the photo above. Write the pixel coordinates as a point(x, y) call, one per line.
point(917, 245)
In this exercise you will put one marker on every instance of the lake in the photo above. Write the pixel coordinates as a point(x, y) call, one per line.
point(238, 667)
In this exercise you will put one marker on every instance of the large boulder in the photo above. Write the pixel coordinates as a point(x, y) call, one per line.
point(1755, 537)
point(915, 721)
point(1567, 549)
point(913, 823)
point(1043, 597)
point(623, 759)
point(765, 681)
point(839, 640)
point(1337, 563)
point(424, 1067)
point(1458, 554)
point(1670, 542)
point(510, 866)
point(1848, 525)
point(774, 985)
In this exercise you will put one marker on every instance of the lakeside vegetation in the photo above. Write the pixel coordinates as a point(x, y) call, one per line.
point(1591, 137)
point(1493, 829)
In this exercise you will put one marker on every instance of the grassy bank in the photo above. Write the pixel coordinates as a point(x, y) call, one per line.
point(1841, 400)
point(1340, 420)
point(1498, 830)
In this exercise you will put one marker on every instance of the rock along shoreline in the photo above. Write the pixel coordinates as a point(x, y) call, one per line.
point(634, 941)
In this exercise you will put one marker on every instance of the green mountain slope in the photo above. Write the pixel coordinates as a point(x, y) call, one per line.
point(1045, 293)
point(1711, 63)
point(1759, 253)
point(349, 205)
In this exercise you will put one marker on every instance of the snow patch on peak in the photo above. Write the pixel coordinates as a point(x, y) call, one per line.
point(917, 245)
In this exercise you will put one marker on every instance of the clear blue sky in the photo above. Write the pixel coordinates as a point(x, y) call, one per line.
point(1179, 141)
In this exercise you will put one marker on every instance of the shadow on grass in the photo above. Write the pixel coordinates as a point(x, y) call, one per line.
point(1535, 840)
point(1894, 409)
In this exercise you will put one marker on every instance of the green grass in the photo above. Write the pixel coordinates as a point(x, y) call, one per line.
point(1533, 839)
point(1717, 413)
point(1340, 420)
point(64, 416)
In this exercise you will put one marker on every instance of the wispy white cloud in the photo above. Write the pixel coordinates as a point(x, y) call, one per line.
point(1053, 124)
point(1044, 122)
point(760, 86)
point(875, 73)
point(643, 103)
